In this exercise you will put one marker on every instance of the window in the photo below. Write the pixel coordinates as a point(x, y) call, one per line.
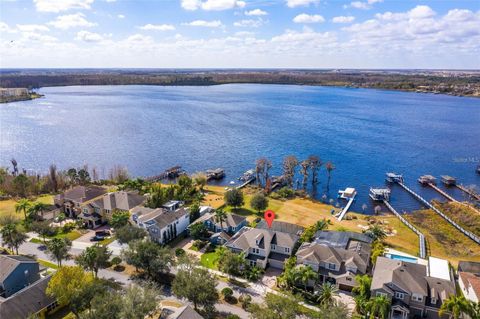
point(274, 246)
point(331, 266)
point(287, 250)
point(380, 294)
point(253, 263)
point(399, 295)
point(417, 298)
point(433, 301)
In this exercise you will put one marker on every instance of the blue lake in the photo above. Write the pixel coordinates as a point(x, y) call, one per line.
point(365, 133)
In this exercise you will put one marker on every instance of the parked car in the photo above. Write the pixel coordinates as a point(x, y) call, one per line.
point(97, 238)
point(103, 233)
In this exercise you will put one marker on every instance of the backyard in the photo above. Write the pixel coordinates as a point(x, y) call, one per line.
point(443, 240)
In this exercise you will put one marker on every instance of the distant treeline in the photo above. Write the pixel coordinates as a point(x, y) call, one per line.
point(457, 83)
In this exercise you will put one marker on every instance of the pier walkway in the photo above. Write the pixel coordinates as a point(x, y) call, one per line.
point(450, 198)
point(246, 183)
point(454, 224)
point(469, 192)
point(421, 239)
point(346, 208)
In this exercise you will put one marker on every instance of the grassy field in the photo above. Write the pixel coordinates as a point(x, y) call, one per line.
point(464, 215)
point(443, 240)
point(7, 207)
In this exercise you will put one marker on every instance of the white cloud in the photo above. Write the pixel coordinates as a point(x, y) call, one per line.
point(4, 28)
point(421, 12)
point(298, 3)
point(307, 18)
point(256, 12)
point(32, 27)
point(61, 5)
point(249, 23)
point(121, 16)
point(138, 38)
point(203, 23)
point(37, 37)
point(343, 19)
point(212, 5)
point(362, 5)
point(71, 21)
point(158, 27)
point(89, 36)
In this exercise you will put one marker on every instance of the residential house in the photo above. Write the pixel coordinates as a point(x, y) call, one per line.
point(71, 200)
point(263, 247)
point(99, 210)
point(16, 273)
point(413, 291)
point(338, 257)
point(173, 205)
point(220, 238)
point(22, 289)
point(469, 280)
point(163, 225)
point(231, 225)
point(280, 226)
point(185, 312)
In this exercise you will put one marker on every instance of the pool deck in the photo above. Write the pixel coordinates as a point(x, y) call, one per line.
point(401, 253)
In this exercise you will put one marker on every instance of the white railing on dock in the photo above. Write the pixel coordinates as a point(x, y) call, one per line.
point(246, 183)
point(346, 208)
point(454, 224)
point(421, 238)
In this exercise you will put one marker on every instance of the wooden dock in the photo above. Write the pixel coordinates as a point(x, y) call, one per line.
point(399, 181)
point(246, 183)
point(469, 192)
point(171, 172)
point(421, 238)
point(444, 194)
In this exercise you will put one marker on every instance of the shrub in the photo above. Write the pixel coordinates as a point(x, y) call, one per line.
point(227, 292)
point(68, 227)
point(286, 192)
point(232, 316)
point(210, 248)
point(179, 252)
point(199, 244)
point(245, 300)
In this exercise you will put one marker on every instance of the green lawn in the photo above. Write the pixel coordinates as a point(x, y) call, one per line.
point(7, 207)
point(210, 260)
point(48, 264)
point(74, 234)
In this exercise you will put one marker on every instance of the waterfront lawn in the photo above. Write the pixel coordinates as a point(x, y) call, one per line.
point(7, 207)
point(210, 260)
point(464, 215)
point(443, 240)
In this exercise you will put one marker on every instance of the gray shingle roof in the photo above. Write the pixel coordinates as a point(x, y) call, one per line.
point(283, 227)
point(410, 277)
point(82, 193)
point(9, 263)
point(339, 238)
point(168, 217)
point(247, 238)
point(27, 301)
point(185, 312)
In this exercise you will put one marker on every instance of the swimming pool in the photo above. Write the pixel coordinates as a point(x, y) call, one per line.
point(402, 258)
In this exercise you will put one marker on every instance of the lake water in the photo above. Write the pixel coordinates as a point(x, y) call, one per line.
point(365, 133)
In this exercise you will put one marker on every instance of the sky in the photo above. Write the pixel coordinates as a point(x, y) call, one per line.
point(429, 34)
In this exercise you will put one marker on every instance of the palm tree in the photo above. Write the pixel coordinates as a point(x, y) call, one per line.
point(23, 205)
point(304, 166)
point(304, 274)
point(379, 307)
point(254, 273)
point(200, 180)
point(12, 237)
point(456, 306)
point(328, 292)
point(58, 249)
point(37, 208)
point(329, 167)
point(220, 217)
point(53, 177)
point(322, 224)
point(362, 292)
point(474, 311)
point(376, 233)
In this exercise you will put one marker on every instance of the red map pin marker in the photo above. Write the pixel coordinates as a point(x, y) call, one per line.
point(269, 217)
